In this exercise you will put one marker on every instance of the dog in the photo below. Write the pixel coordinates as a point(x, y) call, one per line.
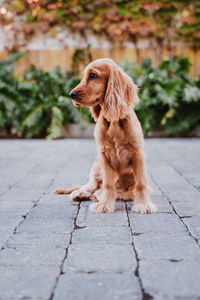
point(119, 171)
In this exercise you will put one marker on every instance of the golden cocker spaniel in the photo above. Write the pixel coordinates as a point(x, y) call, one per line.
point(119, 171)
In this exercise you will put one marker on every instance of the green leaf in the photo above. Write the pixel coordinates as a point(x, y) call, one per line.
point(33, 118)
point(8, 102)
point(54, 130)
point(14, 57)
point(191, 93)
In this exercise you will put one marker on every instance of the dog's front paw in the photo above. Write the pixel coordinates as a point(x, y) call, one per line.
point(144, 208)
point(97, 195)
point(81, 195)
point(103, 207)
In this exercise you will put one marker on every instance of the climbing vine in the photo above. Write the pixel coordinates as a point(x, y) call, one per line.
point(161, 22)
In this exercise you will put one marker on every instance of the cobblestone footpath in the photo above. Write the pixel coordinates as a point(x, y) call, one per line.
point(52, 248)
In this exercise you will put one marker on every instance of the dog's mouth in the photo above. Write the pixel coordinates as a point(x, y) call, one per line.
point(77, 104)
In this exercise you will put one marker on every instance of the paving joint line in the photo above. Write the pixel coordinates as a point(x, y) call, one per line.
point(22, 220)
point(66, 253)
point(36, 203)
point(19, 179)
point(145, 295)
point(181, 174)
point(180, 218)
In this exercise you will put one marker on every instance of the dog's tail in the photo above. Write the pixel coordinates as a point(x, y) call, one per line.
point(69, 191)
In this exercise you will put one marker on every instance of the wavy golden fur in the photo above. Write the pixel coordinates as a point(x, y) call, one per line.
point(119, 171)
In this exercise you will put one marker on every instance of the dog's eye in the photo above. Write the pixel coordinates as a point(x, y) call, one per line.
point(92, 75)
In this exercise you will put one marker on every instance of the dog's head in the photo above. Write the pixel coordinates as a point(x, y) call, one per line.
point(105, 85)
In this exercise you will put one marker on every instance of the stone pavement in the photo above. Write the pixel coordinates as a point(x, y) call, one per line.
point(52, 248)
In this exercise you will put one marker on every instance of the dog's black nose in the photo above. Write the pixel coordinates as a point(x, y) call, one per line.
point(73, 94)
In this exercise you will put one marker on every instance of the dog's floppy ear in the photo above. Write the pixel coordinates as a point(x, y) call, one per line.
point(120, 93)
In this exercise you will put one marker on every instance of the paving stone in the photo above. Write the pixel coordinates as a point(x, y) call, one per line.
point(172, 297)
point(100, 258)
point(193, 177)
point(193, 224)
point(186, 165)
point(162, 204)
point(187, 208)
point(49, 240)
point(153, 187)
point(166, 246)
point(4, 236)
point(59, 200)
point(36, 225)
point(9, 222)
point(21, 195)
point(51, 210)
point(183, 196)
point(39, 180)
point(171, 280)
point(102, 235)
point(88, 218)
point(100, 261)
point(16, 208)
point(23, 282)
point(98, 286)
point(156, 223)
point(13, 173)
point(32, 256)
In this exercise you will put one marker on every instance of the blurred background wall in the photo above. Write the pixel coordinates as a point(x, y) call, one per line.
point(46, 59)
point(50, 31)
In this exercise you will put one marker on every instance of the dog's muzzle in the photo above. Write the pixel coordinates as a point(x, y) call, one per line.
point(73, 94)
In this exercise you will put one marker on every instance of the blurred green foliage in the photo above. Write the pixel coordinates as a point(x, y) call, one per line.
point(170, 99)
point(37, 104)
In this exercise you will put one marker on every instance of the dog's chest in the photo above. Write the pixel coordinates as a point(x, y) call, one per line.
point(114, 143)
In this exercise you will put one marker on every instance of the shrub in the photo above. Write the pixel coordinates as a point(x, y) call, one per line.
point(46, 103)
point(170, 100)
point(10, 98)
point(37, 104)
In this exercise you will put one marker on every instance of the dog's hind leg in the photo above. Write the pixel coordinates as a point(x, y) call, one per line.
point(86, 191)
